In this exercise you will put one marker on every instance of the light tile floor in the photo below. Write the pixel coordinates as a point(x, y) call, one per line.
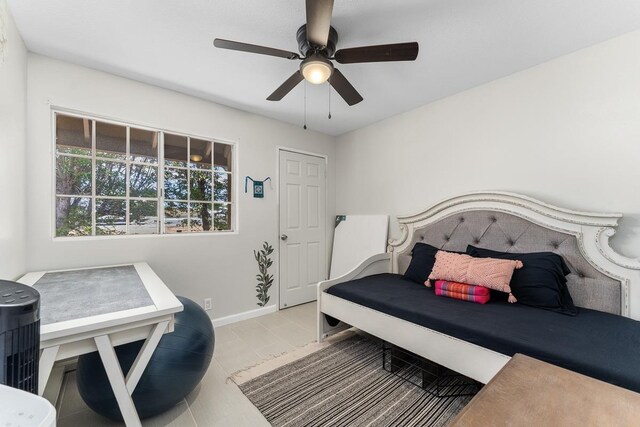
point(216, 401)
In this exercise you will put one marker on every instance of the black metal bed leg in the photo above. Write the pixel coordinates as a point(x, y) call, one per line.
point(429, 376)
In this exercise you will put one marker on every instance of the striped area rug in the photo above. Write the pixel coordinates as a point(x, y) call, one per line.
point(344, 385)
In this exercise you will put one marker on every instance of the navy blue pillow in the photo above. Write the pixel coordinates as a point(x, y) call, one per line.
point(540, 283)
point(423, 257)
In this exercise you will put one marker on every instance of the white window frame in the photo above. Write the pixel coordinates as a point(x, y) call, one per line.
point(160, 199)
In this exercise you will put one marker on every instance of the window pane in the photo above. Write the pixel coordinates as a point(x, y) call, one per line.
point(73, 135)
point(73, 176)
point(73, 216)
point(200, 154)
point(175, 150)
point(200, 217)
point(110, 217)
point(200, 185)
point(222, 189)
point(143, 217)
point(222, 157)
point(175, 217)
point(222, 217)
point(111, 141)
point(143, 145)
point(175, 184)
point(111, 179)
point(143, 181)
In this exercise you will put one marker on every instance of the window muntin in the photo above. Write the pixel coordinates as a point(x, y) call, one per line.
point(118, 179)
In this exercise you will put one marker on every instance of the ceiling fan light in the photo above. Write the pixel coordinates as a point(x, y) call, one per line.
point(316, 70)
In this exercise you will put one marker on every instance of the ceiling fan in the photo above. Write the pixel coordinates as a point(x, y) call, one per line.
point(317, 41)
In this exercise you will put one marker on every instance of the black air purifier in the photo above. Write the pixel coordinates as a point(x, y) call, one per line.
point(19, 336)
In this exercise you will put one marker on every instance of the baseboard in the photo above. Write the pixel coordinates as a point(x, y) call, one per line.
point(226, 320)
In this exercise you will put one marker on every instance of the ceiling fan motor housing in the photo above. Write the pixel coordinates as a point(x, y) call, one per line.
point(307, 49)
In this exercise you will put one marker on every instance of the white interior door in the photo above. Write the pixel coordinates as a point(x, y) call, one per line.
point(302, 227)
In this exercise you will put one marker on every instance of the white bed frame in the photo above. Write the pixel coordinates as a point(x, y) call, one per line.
point(592, 230)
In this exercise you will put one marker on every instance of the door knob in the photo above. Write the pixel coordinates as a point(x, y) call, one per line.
point(284, 237)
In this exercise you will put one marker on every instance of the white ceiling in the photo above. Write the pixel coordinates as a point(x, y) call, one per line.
point(463, 43)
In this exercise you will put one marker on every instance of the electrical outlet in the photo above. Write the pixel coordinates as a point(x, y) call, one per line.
point(207, 303)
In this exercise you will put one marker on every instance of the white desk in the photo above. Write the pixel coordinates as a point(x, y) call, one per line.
point(89, 332)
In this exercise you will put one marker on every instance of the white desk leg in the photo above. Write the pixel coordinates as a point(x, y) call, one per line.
point(114, 373)
point(144, 355)
point(47, 359)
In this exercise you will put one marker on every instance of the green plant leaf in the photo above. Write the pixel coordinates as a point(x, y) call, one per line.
point(264, 279)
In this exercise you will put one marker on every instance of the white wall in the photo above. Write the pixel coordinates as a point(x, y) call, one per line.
point(196, 266)
point(13, 128)
point(566, 132)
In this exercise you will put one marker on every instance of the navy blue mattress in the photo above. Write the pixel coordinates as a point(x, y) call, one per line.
point(597, 344)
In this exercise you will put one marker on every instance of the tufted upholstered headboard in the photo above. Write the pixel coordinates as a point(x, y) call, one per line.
point(600, 279)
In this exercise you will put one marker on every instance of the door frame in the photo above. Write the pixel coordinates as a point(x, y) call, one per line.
point(279, 149)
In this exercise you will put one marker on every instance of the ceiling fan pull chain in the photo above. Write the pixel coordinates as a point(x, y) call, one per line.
point(305, 106)
point(329, 86)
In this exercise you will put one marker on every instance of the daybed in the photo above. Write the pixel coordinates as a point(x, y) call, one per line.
point(476, 340)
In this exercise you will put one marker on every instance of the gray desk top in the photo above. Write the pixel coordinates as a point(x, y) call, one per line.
point(69, 295)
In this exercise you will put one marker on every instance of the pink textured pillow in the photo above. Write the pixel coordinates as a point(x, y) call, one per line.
point(489, 272)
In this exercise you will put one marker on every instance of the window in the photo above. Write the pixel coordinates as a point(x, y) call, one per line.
point(117, 179)
point(197, 184)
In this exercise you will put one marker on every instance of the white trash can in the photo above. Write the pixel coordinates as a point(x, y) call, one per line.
point(21, 408)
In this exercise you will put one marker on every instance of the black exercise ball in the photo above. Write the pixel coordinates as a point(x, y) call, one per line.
point(175, 369)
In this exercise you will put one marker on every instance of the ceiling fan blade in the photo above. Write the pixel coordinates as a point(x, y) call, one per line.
point(252, 48)
point(318, 21)
point(379, 53)
point(344, 88)
point(286, 87)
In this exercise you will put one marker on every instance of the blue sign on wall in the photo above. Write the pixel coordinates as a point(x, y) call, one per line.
point(258, 186)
